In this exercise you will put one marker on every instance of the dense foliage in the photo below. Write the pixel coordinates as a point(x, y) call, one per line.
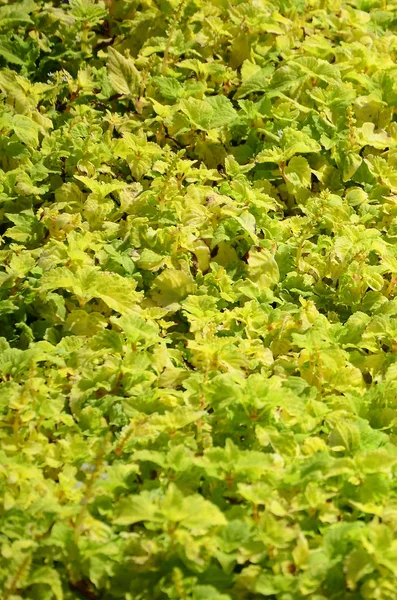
point(198, 301)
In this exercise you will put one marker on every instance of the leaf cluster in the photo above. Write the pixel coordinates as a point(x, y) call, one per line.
point(198, 299)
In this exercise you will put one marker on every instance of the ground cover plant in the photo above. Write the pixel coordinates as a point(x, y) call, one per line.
point(198, 310)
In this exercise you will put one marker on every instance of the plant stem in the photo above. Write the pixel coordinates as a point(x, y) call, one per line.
point(170, 36)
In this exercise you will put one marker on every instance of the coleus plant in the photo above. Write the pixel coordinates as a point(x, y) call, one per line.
point(198, 299)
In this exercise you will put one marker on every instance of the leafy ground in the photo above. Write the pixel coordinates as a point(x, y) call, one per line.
point(198, 299)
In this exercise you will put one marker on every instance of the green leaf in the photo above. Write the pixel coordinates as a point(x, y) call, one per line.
point(345, 436)
point(292, 142)
point(298, 172)
point(91, 11)
point(50, 577)
point(123, 74)
point(16, 51)
point(380, 140)
point(172, 286)
point(208, 592)
point(263, 268)
point(298, 142)
point(26, 130)
point(350, 163)
point(13, 15)
point(223, 111)
point(199, 113)
point(27, 229)
point(191, 512)
point(357, 565)
point(168, 87)
point(116, 291)
point(258, 82)
point(134, 509)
